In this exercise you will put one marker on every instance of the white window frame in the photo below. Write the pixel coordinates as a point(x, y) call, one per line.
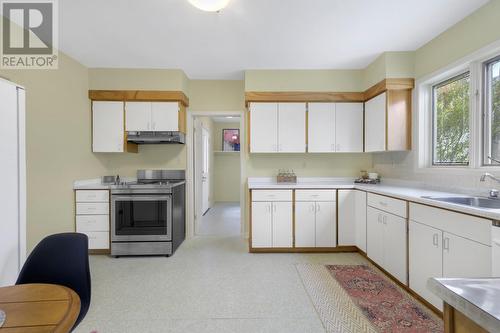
point(486, 110)
point(422, 118)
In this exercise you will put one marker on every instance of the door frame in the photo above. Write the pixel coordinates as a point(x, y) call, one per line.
point(191, 225)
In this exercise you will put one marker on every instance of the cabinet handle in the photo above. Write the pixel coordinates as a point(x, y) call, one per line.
point(384, 204)
point(318, 208)
point(435, 239)
point(379, 218)
point(446, 244)
point(384, 219)
point(338, 147)
point(312, 208)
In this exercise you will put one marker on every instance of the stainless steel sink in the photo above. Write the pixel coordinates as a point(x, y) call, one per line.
point(478, 202)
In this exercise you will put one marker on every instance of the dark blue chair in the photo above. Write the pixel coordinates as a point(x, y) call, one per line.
point(61, 259)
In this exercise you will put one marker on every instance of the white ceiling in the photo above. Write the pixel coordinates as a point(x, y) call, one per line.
point(250, 34)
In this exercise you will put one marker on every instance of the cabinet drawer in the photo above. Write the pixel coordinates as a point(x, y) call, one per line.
point(471, 227)
point(271, 195)
point(315, 195)
point(390, 205)
point(92, 208)
point(98, 239)
point(92, 196)
point(92, 223)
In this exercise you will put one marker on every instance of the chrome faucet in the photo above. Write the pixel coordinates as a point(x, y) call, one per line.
point(493, 192)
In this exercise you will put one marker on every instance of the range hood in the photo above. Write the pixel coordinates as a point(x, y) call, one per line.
point(143, 138)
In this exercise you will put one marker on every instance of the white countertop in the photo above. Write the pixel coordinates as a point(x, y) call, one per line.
point(95, 184)
point(407, 192)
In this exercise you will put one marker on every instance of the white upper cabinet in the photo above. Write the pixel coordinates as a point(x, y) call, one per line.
point(165, 116)
point(264, 127)
point(375, 124)
point(335, 127)
point(292, 127)
point(321, 127)
point(152, 116)
point(349, 127)
point(107, 127)
point(138, 116)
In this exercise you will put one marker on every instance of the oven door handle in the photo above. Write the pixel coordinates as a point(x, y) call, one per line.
point(140, 197)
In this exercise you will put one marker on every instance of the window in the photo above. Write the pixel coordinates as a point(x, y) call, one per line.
point(491, 112)
point(450, 121)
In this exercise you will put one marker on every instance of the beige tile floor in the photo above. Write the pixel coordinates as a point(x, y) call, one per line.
point(211, 284)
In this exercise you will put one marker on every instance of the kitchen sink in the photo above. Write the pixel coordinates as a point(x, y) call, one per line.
point(477, 202)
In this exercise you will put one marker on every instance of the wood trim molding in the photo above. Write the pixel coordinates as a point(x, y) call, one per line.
point(303, 96)
point(389, 84)
point(298, 96)
point(139, 95)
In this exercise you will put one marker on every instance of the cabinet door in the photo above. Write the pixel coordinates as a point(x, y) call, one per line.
point(374, 235)
point(465, 258)
point(375, 125)
point(321, 127)
point(282, 224)
point(305, 224)
point(347, 217)
point(349, 127)
point(107, 127)
point(426, 261)
point(264, 127)
point(262, 224)
point(165, 116)
point(360, 218)
point(394, 241)
point(326, 224)
point(138, 116)
point(292, 128)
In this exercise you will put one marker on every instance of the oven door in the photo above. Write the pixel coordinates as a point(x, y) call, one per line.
point(141, 218)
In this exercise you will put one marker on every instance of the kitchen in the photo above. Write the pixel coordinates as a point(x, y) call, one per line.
point(325, 125)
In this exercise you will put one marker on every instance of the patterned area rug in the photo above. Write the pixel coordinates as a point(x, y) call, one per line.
point(357, 298)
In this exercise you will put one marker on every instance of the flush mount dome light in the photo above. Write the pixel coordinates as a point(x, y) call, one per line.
point(209, 5)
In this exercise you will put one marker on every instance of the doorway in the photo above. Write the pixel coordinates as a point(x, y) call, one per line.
point(217, 175)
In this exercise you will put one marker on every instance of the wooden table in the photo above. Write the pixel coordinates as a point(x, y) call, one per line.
point(39, 308)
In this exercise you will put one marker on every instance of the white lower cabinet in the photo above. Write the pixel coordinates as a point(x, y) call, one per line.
point(272, 221)
point(434, 252)
point(262, 224)
point(426, 259)
point(282, 224)
point(315, 221)
point(351, 206)
point(92, 217)
point(386, 242)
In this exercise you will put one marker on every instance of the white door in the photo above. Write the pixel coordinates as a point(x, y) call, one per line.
point(349, 127)
point(107, 127)
point(138, 116)
point(264, 127)
point(326, 224)
point(465, 258)
point(305, 224)
point(292, 128)
point(375, 123)
point(360, 217)
point(425, 259)
point(394, 241)
point(12, 147)
point(205, 176)
point(165, 116)
point(321, 127)
point(262, 224)
point(282, 224)
point(374, 235)
point(347, 217)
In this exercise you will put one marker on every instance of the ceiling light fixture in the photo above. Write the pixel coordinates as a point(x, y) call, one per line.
point(209, 5)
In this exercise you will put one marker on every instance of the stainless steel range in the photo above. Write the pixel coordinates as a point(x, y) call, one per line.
point(148, 216)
